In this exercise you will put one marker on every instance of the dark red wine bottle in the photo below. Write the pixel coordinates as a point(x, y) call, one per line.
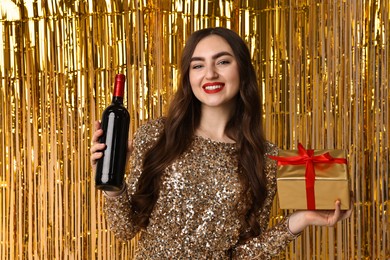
point(110, 169)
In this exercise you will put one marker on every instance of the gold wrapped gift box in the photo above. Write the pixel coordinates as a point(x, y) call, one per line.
point(331, 179)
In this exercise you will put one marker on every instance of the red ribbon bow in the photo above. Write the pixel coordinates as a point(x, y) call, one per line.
point(307, 157)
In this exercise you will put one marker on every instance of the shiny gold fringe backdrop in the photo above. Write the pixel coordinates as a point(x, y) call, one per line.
point(323, 65)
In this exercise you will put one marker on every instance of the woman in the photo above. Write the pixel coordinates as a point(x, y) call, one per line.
point(201, 184)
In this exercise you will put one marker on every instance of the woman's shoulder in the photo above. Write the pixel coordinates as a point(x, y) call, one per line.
point(150, 130)
point(270, 164)
point(153, 124)
point(271, 148)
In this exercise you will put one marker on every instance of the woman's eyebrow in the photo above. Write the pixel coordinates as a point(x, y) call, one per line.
point(215, 56)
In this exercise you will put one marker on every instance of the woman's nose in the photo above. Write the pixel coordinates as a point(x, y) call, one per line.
point(211, 72)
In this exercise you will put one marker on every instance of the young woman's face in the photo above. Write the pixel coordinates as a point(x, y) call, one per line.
point(213, 74)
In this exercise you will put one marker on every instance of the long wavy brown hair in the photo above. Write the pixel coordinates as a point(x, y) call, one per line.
point(245, 127)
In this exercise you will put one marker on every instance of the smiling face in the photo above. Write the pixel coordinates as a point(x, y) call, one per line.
point(213, 73)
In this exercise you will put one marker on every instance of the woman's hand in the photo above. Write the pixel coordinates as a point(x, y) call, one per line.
point(299, 220)
point(97, 147)
point(96, 152)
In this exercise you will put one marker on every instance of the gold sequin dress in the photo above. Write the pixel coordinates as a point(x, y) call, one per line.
point(197, 213)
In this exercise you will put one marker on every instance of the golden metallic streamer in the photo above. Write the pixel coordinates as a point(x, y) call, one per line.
point(323, 67)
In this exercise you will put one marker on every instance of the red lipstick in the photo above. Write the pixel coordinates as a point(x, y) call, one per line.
point(213, 87)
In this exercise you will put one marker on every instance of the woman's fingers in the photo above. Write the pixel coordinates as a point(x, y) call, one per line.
point(96, 153)
point(96, 125)
point(96, 156)
point(96, 135)
point(96, 147)
point(97, 132)
point(336, 214)
point(339, 214)
point(348, 213)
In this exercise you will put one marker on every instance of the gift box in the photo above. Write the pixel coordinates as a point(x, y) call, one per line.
point(312, 179)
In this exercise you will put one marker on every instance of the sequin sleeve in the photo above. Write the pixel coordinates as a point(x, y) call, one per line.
point(117, 209)
point(271, 240)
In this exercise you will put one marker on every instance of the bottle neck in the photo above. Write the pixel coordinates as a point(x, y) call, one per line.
point(119, 89)
point(117, 100)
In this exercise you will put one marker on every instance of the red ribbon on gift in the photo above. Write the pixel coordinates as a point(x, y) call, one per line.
point(307, 157)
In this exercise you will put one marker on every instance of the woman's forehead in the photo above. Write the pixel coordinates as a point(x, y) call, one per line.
point(211, 45)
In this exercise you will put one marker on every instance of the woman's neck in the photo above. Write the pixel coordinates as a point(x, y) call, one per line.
point(212, 125)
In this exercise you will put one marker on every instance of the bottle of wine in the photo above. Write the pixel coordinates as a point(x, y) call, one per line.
point(110, 168)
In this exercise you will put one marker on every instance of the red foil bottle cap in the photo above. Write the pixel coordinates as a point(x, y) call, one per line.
point(119, 87)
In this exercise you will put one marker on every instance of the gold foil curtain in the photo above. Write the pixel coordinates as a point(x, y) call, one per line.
point(323, 66)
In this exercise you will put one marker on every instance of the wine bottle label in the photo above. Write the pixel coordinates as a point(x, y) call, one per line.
point(109, 137)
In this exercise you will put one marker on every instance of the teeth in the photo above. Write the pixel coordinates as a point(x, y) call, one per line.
point(212, 87)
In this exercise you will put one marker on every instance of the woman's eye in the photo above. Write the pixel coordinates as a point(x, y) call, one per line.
point(197, 66)
point(222, 62)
